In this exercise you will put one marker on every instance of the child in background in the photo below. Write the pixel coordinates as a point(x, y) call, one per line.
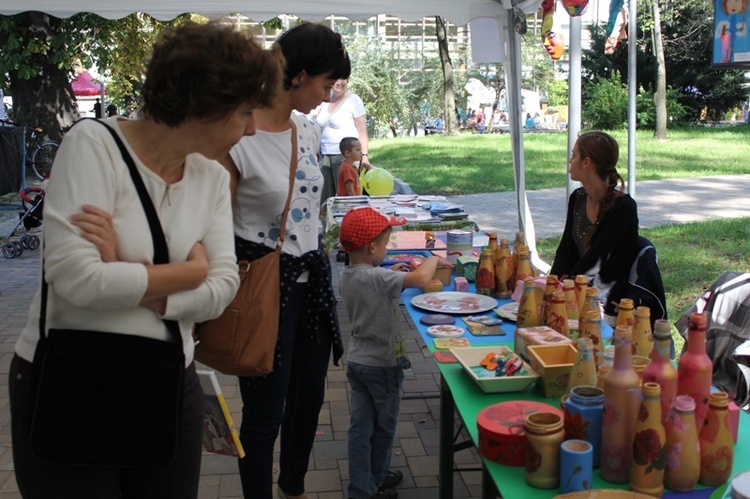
point(376, 356)
point(348, 179)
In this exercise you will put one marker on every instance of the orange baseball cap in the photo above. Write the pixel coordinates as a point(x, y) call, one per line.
point(363, 224)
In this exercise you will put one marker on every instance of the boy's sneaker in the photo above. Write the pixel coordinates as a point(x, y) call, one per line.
point(385, 494)
point(393, 478)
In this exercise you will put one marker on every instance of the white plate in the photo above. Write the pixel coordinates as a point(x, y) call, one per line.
point(445, 331)
point(508, 311)
point(454, 302)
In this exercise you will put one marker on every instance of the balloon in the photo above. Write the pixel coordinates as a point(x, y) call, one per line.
point(378, 182)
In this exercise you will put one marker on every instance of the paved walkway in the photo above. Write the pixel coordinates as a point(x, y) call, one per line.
point(416, 448)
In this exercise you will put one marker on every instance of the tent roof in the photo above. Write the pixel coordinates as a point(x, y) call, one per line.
point(457, 11)
point(84, 84)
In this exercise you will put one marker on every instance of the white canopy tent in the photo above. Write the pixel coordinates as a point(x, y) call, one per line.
point(457, 11)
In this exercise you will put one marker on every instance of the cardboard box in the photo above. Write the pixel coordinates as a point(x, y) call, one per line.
point(554, 363)
point(539, 335)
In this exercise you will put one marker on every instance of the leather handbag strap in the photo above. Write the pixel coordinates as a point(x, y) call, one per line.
point(161, 252)
point(292, 174)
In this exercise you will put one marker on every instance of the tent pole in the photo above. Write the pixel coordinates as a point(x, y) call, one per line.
point(632, 95)
point(574, 95)
point(513, 85)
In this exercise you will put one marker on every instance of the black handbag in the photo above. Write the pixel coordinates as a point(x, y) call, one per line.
point(108, 399)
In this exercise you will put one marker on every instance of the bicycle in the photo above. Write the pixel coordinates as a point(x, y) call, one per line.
point(40, 153)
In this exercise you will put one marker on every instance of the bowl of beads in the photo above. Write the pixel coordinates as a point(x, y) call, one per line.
point(496, 369)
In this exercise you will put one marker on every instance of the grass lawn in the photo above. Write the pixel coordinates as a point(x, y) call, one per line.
point(473, 163)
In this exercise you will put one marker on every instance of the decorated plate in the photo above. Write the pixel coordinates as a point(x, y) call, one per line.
point(454, 302)
point(508, 311)
point(446, 343)
point(445, 331)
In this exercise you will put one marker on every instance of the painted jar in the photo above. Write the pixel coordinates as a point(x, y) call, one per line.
point(649, 444)
point(584, 410)
point(544, 434)
point(576, 466)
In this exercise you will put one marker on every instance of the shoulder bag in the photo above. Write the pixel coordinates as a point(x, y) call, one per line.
point(103, 398)
point(242, 340)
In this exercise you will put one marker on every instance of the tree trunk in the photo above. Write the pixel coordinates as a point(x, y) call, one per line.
point(449, 94)
point(45, 100)
point(660, 93)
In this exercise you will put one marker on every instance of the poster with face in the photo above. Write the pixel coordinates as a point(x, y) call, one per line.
point(731, 48)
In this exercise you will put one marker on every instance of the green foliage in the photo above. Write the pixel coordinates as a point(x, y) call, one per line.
point(558, 93)
point(605, 105)
point(677, 114)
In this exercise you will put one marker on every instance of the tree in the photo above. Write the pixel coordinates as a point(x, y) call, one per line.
point(660, 94)
point(37, 53)
point(451, 123)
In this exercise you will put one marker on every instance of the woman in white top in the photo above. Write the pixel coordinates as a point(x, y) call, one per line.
point(98, 249)
point(290, 398)
point(343, 116)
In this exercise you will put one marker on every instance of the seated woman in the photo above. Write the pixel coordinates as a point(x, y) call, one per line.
point(601, 228)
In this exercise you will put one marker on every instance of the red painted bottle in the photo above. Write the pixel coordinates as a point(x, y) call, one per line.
point(694, 370)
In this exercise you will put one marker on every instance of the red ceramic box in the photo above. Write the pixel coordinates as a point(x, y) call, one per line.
point(540, 335)
point(502, 436)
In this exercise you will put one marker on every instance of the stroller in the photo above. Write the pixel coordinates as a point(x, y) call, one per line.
point(32, 201)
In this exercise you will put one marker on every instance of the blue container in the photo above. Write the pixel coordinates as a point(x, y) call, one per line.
point(576, 470)
point(584, 410)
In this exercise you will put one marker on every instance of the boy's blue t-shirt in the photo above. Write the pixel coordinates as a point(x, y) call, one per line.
point(371, 297)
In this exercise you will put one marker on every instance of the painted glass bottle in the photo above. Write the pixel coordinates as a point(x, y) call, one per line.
point(621, 403)
point(584, 410)
point(694, 369)
point(591, 328)
point(523, 267)
point(485, 279)
point(581, 283)
point(643, 341)
point(504, 284)
point(517, 243)
point(528, 307)
point(649, 444)
point(683, 452)
point(584, 369)
point(591, 302)
point(717, 446)
point(544, 434)
point(549, 288)
point(557, 317)
point(625, 313)
point(492, 241)
point(660, 369)
point(571, 302)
